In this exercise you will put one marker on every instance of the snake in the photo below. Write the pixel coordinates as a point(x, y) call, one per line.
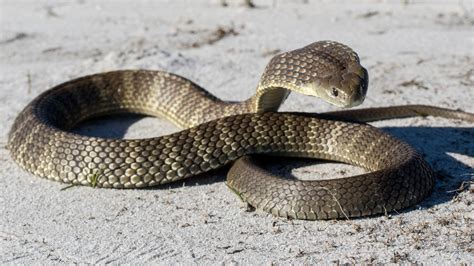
point(216, 133)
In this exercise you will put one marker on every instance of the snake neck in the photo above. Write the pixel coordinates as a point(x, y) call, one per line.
point(268, 98)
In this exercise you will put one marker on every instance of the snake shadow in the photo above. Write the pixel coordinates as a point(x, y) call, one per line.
point(439, 145)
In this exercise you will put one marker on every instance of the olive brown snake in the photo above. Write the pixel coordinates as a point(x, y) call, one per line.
point(217, 133)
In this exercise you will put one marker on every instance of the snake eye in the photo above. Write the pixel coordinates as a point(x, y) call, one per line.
point(334, 92)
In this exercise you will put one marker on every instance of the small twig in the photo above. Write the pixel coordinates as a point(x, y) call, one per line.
point(234, 191)
point(93, 176)
point(369, 14)
point(17, 37)
point(270, 52)
point(337, 201)
point(50, 12)
point(28, 81)
point(413, 82)
point(249, 4)
point(464, 185)
point(68, 187)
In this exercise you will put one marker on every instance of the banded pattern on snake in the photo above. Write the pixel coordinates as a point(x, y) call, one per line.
point(217, 133)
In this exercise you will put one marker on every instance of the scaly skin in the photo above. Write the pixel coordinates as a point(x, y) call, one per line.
point(218, 133)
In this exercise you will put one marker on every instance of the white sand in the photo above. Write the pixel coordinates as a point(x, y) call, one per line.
point(43, 43)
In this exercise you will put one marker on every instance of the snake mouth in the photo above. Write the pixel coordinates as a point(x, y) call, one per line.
point(344, 101)
point(336, 95)
point(355, 83)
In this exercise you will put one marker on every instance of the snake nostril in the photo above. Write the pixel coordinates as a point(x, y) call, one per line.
point(334, 92)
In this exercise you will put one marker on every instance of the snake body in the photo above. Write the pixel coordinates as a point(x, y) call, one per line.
point(217, 133)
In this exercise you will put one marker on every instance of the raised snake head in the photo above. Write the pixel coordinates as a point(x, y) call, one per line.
point(325, 69)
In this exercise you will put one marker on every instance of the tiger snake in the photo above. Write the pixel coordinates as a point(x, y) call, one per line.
point(218, 132)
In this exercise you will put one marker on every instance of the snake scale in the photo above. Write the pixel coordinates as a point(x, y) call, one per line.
point(218, 132)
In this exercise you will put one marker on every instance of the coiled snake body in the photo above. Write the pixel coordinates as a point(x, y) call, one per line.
point(218, 133)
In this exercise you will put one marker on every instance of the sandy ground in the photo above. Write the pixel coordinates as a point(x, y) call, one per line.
point(415, 53)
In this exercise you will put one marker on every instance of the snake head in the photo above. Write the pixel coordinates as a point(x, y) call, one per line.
point(336, 75)
point(346, 89)
point(326, 69)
